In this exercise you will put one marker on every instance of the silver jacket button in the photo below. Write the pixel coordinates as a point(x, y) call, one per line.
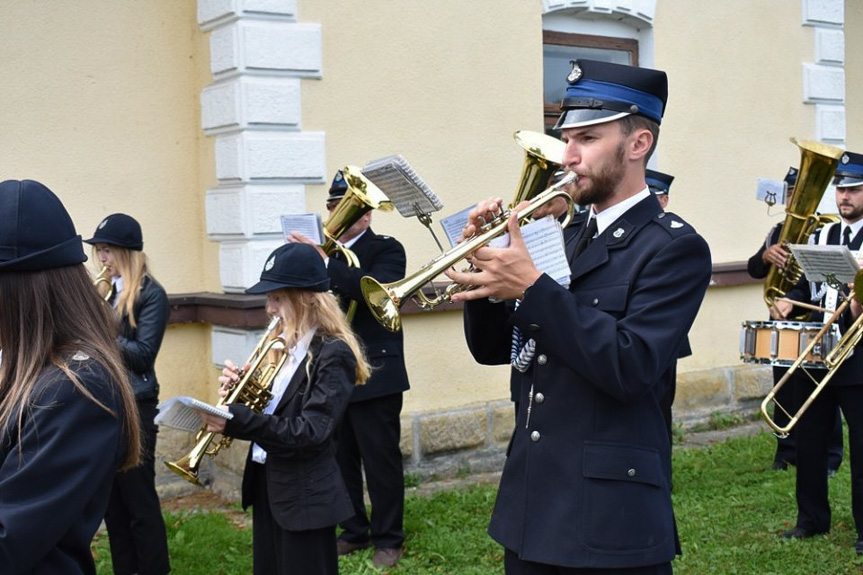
point(631, 473)
point(541, 359)
point(534, 436)
point(539, 398)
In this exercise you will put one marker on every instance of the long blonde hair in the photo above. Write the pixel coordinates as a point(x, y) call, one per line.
point(305, 310)
point(132, 266)
point(45, 318)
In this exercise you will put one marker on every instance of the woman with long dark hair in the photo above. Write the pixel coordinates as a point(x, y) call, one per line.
point(136, 529)
point(67, 413)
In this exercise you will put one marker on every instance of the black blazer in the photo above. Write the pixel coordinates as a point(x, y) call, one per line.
point(54, 491)
point(383, 258)
point(305, 487)
point(755, 266)
point(140, 345)
point(587, 479)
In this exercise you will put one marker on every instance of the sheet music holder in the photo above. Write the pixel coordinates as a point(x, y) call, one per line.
point(771, 192)
point(829, 264)
point(307, 224)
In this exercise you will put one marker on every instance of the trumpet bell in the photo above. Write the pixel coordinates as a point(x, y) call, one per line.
point(182, 467)
point(382, 302)
point(543, 157)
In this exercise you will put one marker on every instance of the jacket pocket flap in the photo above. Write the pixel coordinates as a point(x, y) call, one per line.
point(623, 463)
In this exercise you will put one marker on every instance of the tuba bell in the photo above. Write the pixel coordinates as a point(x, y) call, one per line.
point(362, 197)
point(817, 163)
point(254, 390)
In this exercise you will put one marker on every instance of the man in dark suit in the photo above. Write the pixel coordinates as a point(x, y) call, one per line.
point(845, 389)
point(371, 429)
point(773, 253)
point(587, 481)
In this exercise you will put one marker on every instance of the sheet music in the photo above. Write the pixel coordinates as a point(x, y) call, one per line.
point(454, 225)
point(771, 191)
point(180, 413)
point(544, 241)
point(818, 262)
point(307, 224)
point(402, 185)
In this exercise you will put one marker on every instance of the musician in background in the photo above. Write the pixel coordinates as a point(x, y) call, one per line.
point(587, 480)
point(369, 436)
point(845, 390)
point(292, 480)
point(772, 253)
point(136, 529)
point(67, 413)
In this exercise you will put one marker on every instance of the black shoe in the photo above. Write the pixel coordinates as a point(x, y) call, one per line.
point(346, 547)
point(801, 533)
point(858, 547)
point(780, 465)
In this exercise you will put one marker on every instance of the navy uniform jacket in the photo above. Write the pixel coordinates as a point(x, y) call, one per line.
point(383, 258)
point(54, 491)
point(305, 487)
point(140, 345)
point(756, 267)
point(850, 371)
point(587, 477)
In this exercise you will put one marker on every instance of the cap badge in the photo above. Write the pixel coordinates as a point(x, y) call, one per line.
point(675, 224)
point(270, 263)
point(574, 74)
point(618, 232)
point(845, 159)
point(103, 224)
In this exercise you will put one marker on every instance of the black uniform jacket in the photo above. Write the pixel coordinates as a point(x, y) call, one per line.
point(304, 484)
point(383, 258)
point(851, 371)
point(140, 345)
point(587, 477)
point(54, 490)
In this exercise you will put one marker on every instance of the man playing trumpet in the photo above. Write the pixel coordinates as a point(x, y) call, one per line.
point(586, 485)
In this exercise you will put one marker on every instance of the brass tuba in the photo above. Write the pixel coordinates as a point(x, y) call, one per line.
point(385, 300)
point(362, 197)
point(254, 390)
point(833, 361)
point(817, 163)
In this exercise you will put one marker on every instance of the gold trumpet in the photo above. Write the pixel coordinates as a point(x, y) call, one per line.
point(103, 278)
point(833, 361)
point(385, 300)
point(254, 390)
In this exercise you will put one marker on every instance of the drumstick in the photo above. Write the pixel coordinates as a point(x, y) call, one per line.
point(805, 305)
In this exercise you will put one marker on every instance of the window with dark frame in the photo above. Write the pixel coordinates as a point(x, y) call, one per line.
point(560, 48)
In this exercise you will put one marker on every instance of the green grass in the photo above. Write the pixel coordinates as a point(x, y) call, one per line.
point(730, 509)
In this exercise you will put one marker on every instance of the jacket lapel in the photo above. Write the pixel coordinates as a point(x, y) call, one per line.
point(299, 380)
point(615, 236)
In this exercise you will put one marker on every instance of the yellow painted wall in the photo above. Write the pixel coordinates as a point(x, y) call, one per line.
point(100, 101)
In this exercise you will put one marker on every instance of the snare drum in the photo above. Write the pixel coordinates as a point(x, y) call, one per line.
point(782, 342)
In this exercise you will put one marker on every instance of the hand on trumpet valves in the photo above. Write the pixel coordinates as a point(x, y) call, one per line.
point(231, 374)
point(481, 215)
point(501, 273)
point(776, 255)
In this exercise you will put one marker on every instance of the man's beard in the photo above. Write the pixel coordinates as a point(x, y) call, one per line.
point(850, 213)
point(603, 183)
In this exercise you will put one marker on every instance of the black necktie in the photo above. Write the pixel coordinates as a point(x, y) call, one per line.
point(585, 238)
point(846, 236)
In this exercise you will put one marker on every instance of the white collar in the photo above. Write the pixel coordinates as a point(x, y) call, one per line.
point(855, 227)
point(608, 216)
point(353, 240)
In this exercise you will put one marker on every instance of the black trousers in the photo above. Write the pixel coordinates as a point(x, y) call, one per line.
point(785, 446)
point(369, 441)
point(277, 551)
point(814, 431)
point(515, 566)
point(136, 530)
